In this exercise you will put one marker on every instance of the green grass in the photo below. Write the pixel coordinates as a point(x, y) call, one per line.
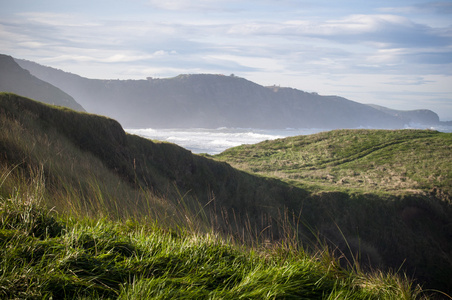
point(49, 256)
point(86, 167)
point(378, 161)
point(373, 183)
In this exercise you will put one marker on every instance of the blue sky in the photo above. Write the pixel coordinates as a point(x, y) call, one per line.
point(393, 53)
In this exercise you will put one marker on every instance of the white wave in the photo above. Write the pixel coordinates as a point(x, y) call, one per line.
point(442, 128)
point(214, 141)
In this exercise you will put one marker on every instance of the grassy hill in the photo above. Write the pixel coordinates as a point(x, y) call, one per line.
point(86, 155)
point(87, 207)
point(45, 256)
point(380, 182)
point(367, 161)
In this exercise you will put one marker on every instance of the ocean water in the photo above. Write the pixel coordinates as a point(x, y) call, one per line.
point(214, 141)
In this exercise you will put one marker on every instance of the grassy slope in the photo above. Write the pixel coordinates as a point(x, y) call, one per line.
point(81, 153)
point(383, 183)
point(91, 167)
point(44, 256)
point(387, 161)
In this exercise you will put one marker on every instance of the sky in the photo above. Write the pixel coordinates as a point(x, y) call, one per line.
point(392, 53)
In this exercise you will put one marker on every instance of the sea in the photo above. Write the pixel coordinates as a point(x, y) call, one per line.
point(215, 141)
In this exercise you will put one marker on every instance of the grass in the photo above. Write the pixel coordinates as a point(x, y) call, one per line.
point(378, 161)
point(91, 158)
point(86, 167)
point(386, 178)
point(46, 255)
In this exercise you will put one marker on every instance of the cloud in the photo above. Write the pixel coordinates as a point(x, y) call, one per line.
point(56, 19)
point(126, 57)
point(382, 31)
point(439, 7)
point(358, 43)
point(199, 5)
point(408, 80)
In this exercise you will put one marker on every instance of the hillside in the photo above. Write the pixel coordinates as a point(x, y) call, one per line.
point(14, 79)
point(86, 165)
point(76, 150)
point(46, 256)
point(212, 101)
point(412, 165)
point(367, 161)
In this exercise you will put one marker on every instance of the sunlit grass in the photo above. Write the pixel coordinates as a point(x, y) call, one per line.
point(378, 161)
point(45, 255)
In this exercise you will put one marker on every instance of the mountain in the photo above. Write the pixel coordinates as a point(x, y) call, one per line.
point(385, 205)
point(17, 80)
point(420, 116)
point(212, 101)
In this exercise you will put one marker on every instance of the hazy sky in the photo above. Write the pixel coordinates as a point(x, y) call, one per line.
point(393, 53)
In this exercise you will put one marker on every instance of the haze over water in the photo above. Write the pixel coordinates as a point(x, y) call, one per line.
point(214, 141)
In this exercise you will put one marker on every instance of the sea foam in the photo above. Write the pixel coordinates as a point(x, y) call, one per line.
point(214, 141)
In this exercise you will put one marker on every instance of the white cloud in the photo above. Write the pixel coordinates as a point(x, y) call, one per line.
point(438, 7)
point(57, 19)
point(264, 64)
point(382, 31)
point(178, 5)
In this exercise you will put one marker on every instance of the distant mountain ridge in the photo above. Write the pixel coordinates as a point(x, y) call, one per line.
point(212, 101)
point(17, 80)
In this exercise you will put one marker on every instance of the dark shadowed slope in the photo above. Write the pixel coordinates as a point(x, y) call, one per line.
point(17, 80)
point(212, 101)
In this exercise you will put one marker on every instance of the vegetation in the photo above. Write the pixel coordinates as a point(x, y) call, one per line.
point(377, 161)
point(90, 211)
point(48, 256)
point(387, 179)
